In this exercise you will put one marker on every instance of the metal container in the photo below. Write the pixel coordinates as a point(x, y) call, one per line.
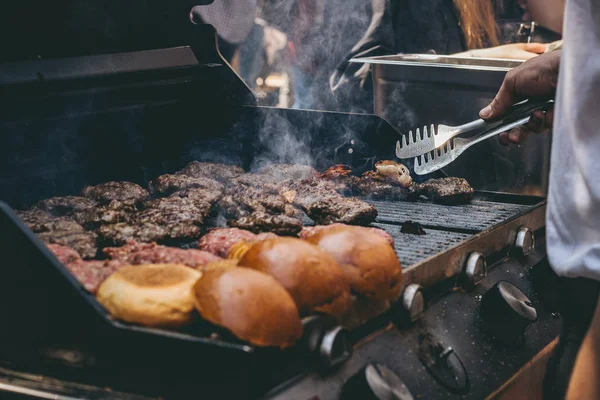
point(414, 90)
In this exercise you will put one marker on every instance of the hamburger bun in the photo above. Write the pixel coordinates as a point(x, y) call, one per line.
point(312, 277)
point(368, 261)
point(157, 295)
point(251, 305)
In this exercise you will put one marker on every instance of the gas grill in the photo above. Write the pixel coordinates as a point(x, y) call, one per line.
point(66, 123)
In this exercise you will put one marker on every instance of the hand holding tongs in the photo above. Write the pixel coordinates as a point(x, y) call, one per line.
point(439, 147)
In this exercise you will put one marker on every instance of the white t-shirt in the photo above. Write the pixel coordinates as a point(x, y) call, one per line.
point(573, 218)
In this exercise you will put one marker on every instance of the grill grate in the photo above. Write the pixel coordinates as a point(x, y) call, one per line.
point(471, 218)
point(412, 249)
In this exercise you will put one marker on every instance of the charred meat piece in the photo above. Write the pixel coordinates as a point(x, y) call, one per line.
point(65, 255)
point(309, 231)
point(60, 230)
point(190, 206)
point(257, 210)
point(347, 210)
point(219, 241)
point(167, 184)
point(242, 201)
point(336, 171)
point(264, 182)
point(263, 222)
point(413, 228)
point(449, 190)
point(91, 274)
point(288, 171)
point(134, 253)
point(217, 171)
point(66, 205)
point(119, 234)
point(37, 220)
point(372, 184)
point(111, 213)
point(122, 191)
point(199, 196)
point(324, 205)
point(371, 187)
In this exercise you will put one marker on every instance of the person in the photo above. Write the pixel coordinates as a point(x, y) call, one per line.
point(233, 20)
point(573, 214)
point(461, 27)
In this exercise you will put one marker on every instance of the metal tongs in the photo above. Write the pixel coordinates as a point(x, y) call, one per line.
point(436, 148)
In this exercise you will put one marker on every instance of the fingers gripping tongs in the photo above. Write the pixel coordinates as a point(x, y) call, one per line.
point(435, 148)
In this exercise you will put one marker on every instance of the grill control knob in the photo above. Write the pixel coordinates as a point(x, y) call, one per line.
point(524, 242)
point(335, 348)
point(375, 382)
point(506, 311)
point(413, 301)
point(475, 269)
point(443, 364)
point(327, 343)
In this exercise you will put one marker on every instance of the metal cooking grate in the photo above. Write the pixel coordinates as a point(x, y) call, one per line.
point(474, 217)
point(412, 249)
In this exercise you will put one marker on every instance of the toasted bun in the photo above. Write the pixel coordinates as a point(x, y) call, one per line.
point(158, 295)
point(250, 304)
point(221, 264)
point(313, 278)
point(369, 262)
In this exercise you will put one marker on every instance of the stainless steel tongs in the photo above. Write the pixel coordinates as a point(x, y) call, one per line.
point(436, 148)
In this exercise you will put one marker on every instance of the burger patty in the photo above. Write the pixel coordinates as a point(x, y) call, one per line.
point(219, 241)
point(151, 253)
point(309, 231)
point(266, 183)
point(147, 232)
point(217, 171)
point(320, 200)
point(366, 186)
point(448, 190)
point(288, 171)
point(121, 191)
point(60, 230)
point(66, 205)
point(262, 222)
point(111, 213)
point(167, 184)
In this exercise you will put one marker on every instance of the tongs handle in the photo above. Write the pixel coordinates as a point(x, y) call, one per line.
point(517, 112)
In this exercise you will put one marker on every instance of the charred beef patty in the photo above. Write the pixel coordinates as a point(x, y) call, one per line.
point(217, 171)
point(60, 230)
point(167, 184)
point(111, 213)
point(122, 191)
point(173, 219)
point(66, 205)
point(257, 210)
point(449, 190)
point(324, 205)
point(219, 241)
point(372, 184)
point(288, 171)
point(376, 189)
point(264, 182)
point(262, 222)
point(134, 253)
